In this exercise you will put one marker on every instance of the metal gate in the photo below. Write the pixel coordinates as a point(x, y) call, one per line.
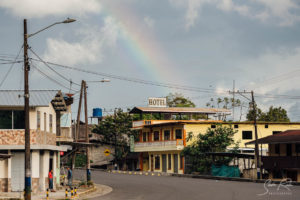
point(17, 171)
point(164, 163)
point(175, 163)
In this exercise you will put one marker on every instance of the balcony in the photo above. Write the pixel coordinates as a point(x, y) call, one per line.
point(170, 145)
point(280, 162)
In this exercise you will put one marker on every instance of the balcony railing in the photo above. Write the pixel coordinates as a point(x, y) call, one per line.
point(279, 162)
point(159, 145)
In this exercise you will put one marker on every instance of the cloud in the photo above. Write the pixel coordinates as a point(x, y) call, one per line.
point(149, 21)
point(42, 8)
point(280, 12)
point(89, 50)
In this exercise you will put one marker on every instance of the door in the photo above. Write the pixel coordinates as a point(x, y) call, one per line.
point(152, 163)
point(17, 172)
point(288, 149)
point(175, 163)
point(164, 163)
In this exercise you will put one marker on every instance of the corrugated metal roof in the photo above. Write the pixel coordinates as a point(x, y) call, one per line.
point(15, 98)
point(179, 110)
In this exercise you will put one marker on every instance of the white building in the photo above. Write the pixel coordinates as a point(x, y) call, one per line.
point(45, 108)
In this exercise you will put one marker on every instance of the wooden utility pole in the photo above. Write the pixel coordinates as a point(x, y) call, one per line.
point(27, 194)
point(88, 167)
point(256, 150)
point(77, 129)
point(258, 166)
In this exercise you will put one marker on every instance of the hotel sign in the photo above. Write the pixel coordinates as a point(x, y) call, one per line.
point(157, 102)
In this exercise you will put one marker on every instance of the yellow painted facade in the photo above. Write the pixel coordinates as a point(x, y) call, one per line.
point(150, 145)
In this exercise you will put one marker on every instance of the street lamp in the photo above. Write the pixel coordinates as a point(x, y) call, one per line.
point(27, 194)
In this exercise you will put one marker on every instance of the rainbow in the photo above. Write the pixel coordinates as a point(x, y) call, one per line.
point(141, 44)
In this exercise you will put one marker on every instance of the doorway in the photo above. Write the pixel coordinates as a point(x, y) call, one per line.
point(175, 163)
point(164, 162)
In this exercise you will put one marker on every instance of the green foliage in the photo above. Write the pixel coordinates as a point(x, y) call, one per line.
point(214, 140)
point(178, 100)
point(272, 115)
point(116, 130)
point(80, 160)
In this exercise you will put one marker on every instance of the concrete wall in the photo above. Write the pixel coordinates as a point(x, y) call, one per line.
point(97, 154)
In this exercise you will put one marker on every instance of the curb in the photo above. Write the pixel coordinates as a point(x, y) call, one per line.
point(230, 179)
point(93, 189)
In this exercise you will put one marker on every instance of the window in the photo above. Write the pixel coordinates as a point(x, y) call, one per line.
point(181, 162)
point(38, 120)
point(169, 161)
point(45, 122)
point(144, 137)
point(213, 126)
point(266, 125)
point(236, 126)
point(50, 123)
point(277, 148)
point(178, 133)
point(19, 119)
point(276, 132)
point(247, 135)
point(156, 136)
point(297, 148)
point(166, 135)
point(157, 162)
point(12, 119)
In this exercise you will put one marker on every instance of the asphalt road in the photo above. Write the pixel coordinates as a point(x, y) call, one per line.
point(141, 187)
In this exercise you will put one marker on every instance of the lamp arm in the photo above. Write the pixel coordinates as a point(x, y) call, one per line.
point(29, 35)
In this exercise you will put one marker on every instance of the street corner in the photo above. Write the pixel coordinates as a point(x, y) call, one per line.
point(97, 191)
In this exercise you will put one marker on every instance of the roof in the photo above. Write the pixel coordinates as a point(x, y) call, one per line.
point(230, 154)
point(15, 98)
point(289, 136)
point(183, 110)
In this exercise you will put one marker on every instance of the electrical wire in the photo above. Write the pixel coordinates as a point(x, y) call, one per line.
point(176, 86)
point(50, 78)
point(10, 68)
point(41, 60)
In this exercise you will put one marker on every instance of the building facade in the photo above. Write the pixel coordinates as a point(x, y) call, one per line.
point(283, 159)
point(160, 142)
point(45, 106)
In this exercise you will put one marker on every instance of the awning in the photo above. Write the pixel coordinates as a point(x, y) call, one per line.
point(179, 110)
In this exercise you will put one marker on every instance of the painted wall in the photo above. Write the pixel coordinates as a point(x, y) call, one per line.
point(48, 110)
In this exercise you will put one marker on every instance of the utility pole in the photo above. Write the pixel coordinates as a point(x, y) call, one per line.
point(233, 100)
point(27, 194)
point(88, 167)
point(258, 166)
point(256, 151)
point(115, 118)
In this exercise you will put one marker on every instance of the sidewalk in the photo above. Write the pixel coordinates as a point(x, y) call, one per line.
point(96, 190)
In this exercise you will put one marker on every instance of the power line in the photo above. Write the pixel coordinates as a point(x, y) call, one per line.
point(50, 78)
point(10, 68)
point(41, 60)
point(175, 86)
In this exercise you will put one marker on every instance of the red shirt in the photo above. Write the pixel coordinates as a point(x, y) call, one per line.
point(50, 175)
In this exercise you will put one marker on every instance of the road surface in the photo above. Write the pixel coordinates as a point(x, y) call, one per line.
point(141, 187)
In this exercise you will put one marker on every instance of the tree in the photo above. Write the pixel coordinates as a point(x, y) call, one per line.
point(116, 130)
point(178, 100)
point(214, 140)
point(273, 115)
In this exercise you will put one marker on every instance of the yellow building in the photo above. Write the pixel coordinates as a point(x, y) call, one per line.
point(161, 141)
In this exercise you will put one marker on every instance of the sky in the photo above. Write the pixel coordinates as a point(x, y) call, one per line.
point(152, 48)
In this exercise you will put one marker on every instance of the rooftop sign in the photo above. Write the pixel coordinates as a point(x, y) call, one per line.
point(157, 102)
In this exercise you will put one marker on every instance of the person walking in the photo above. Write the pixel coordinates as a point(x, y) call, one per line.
point(69, 177)
point(50, 176)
